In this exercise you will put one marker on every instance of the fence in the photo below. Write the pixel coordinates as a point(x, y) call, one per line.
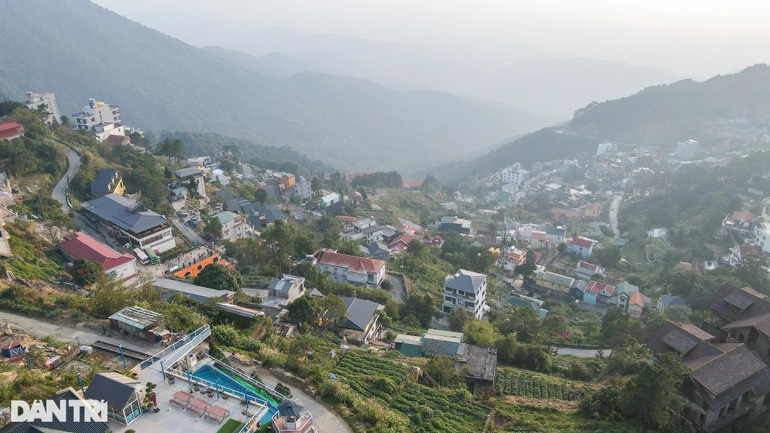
point(198, 335)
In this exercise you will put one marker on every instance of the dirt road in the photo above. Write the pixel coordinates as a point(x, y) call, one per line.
point(85, 336)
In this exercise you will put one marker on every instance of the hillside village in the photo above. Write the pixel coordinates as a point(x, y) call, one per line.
point(232, 287)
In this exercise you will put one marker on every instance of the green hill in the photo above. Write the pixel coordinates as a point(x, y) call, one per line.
point(79, 50)
point(661, 115)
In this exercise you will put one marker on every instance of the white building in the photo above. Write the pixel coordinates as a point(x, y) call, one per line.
point(34, 100)
point(233, 225)
point(129, 220)
point(100, 119)
point(606, 147)
point(686, 150)
point(121, 267)
point(350, 269)
point(762, 237)
point(302, 188)
point(466, 290)
point(515, 174)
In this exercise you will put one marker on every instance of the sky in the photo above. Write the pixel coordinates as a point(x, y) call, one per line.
point(697, 38)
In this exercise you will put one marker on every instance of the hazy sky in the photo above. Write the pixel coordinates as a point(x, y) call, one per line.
point(700, 38)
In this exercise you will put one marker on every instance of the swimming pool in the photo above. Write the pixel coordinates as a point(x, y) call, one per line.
point(212, 374)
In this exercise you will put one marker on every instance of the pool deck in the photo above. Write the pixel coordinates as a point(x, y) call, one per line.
point(173, 419)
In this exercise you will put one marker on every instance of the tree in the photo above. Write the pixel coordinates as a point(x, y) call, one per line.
point(219, 277)
point(649, 397)
point(459, 318)
point(481, 333)
point(304, 309)
point(334, 308)
point(506, 348)
point(173, 148)
point(608, 256)
point(167, 174)
point(561, 248)
point(261, 196)
point(213, 228)
point(421, 306)
point(85, 272)
point(442, 369)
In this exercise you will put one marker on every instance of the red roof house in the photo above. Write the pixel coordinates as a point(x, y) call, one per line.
point(82, 246)
point(11, 130)
point(350, 269)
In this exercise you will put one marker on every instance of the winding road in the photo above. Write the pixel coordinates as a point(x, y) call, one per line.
point(59, 192)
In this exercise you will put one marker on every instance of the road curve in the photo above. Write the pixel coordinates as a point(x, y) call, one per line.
point(59, 192)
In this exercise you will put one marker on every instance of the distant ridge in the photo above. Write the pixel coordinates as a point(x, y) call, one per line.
point(80, 51)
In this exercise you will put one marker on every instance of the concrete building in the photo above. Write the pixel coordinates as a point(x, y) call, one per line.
point(233, 225)
point(121, 267)
point(34, 100)
point(131, 220)
point(466, 290)
point(606, 147)
point(287, 289)
point(514, 175)
point(100, 119)
point(350, 269)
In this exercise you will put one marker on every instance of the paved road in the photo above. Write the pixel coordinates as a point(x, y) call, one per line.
point(614, 207)
point(59, 192)
point(398, 293)
point(582, 353)
point(326, 419)
point(188, 233)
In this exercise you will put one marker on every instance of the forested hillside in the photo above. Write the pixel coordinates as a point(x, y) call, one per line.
point(79, 50)
point(661, 115)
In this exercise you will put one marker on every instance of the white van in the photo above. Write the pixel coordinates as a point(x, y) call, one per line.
point(143, 259)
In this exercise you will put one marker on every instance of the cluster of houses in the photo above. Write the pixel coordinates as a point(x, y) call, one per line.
point(382, 241)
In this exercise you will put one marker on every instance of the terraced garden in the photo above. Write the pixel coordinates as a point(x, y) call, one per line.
point(428, 409)
point(511, 381)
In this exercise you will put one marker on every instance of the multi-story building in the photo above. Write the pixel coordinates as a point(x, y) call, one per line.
point(285, 180)
point(35, 100)
point(515, 174)
point(727, 384)
point(131, 222)
point(350, 269)
point(606, 147)
point(762, 237)
point(100, 119)
point(466, 290)
point(233, 225)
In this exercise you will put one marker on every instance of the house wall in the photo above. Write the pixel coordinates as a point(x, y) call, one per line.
point(160, 241)
point(589, 298)
point(635, 310)
point(411, 350)
point(123, 271)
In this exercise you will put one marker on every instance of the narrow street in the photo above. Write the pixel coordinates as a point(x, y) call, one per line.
point(86, 336)
point(59, 192)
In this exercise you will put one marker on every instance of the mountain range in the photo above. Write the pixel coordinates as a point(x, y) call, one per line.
point(80, 50)
point(658, 116)
point(549, 86)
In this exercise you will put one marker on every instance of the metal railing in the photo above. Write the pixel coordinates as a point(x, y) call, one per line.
point(261, 404)
point(245, 377)
point(198, 335)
